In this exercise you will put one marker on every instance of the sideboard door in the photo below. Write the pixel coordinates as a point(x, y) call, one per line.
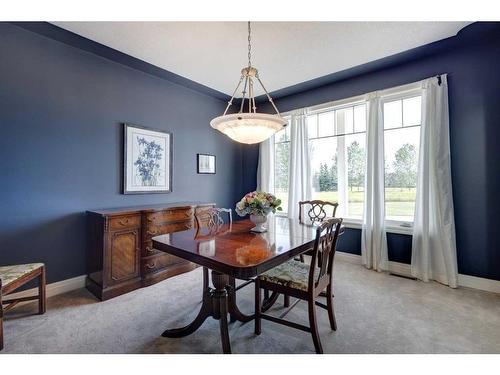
point(124, 262)
point(123, 251)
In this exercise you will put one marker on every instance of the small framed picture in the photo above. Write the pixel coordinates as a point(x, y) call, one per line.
point(206, 164)
point(147, 160)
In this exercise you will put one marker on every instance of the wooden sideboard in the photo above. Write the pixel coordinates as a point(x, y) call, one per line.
point(120, 253)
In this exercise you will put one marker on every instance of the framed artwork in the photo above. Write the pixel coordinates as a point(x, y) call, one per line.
point(206, 164)
point(147, 160)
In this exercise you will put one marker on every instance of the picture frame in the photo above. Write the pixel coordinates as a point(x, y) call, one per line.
point(206, 164)
point(147, 160)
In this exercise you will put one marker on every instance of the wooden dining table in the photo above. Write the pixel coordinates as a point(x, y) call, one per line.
point(234, 252)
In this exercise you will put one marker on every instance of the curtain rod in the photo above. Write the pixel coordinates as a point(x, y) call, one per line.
point(339, 102)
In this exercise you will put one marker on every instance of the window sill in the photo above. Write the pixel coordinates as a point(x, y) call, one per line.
point(390, 227)
point(399, 229)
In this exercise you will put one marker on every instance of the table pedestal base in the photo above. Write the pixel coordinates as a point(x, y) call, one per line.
point(217, 303)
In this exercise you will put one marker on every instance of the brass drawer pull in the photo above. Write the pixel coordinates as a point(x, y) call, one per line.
point(152, 233)
point(149, 249)
point(123, 222)
point(151, 266)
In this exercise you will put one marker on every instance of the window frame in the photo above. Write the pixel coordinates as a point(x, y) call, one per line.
point(288, 118)
point(342, 192)
point(404, 226)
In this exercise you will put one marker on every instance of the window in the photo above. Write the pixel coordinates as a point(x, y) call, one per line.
point(337, 151)
point(402, 120)
point(337, 139)
point(281, 157)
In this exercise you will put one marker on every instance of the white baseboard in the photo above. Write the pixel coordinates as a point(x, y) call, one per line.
point(403, 269)
point(347, 257)
point(53, 289)
point(394, 267)
point(480, 283)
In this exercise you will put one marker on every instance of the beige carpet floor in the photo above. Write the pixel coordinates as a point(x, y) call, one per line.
point(376, 313)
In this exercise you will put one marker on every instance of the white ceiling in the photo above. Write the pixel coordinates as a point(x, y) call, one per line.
point(286, 53)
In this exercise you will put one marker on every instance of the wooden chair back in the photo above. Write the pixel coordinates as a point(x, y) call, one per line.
point(320, 271)
point(212, 218)
point(316, 211)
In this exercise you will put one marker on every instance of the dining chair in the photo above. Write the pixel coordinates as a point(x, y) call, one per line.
point(317, 213)
point(12, 278)
point(317, 210)
point(212, 220)
point(304, 282)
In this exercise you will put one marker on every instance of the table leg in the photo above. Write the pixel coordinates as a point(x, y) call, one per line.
point(203, 314)
point(269, 301)
point(234, 311)
point(220, 307)
point(217, 302)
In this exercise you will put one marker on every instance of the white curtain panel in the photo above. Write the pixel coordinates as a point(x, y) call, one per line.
point(373, 234)
point(299, 183)
point(434, 254)
point(265, 175)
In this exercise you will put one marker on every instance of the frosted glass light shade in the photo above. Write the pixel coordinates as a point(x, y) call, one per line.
point(248, 128)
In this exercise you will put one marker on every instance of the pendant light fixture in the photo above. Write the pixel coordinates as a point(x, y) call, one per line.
point(249, 127)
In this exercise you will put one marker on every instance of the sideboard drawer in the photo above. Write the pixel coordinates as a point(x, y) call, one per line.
point(122, 222)
point(169, 215)
point(155, 230)
point(148, 250)
point(158, 262)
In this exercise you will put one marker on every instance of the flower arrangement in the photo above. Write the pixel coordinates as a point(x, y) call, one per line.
point(258, 203)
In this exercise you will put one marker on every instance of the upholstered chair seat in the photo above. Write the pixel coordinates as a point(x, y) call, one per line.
point(9, 274)
point(291, 274)
point(14, 277)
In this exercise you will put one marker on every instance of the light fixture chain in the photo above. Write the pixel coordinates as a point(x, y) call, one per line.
point(250, 94)
point(268, 96)
point(244, 94)
point(230, 102)
point(249, 45)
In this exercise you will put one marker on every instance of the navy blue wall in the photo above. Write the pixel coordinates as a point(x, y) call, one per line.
point(61, 111)
point(472, 61)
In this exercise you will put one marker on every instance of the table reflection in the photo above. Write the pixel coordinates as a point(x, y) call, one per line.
point(255, 252)
point(207, 248)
